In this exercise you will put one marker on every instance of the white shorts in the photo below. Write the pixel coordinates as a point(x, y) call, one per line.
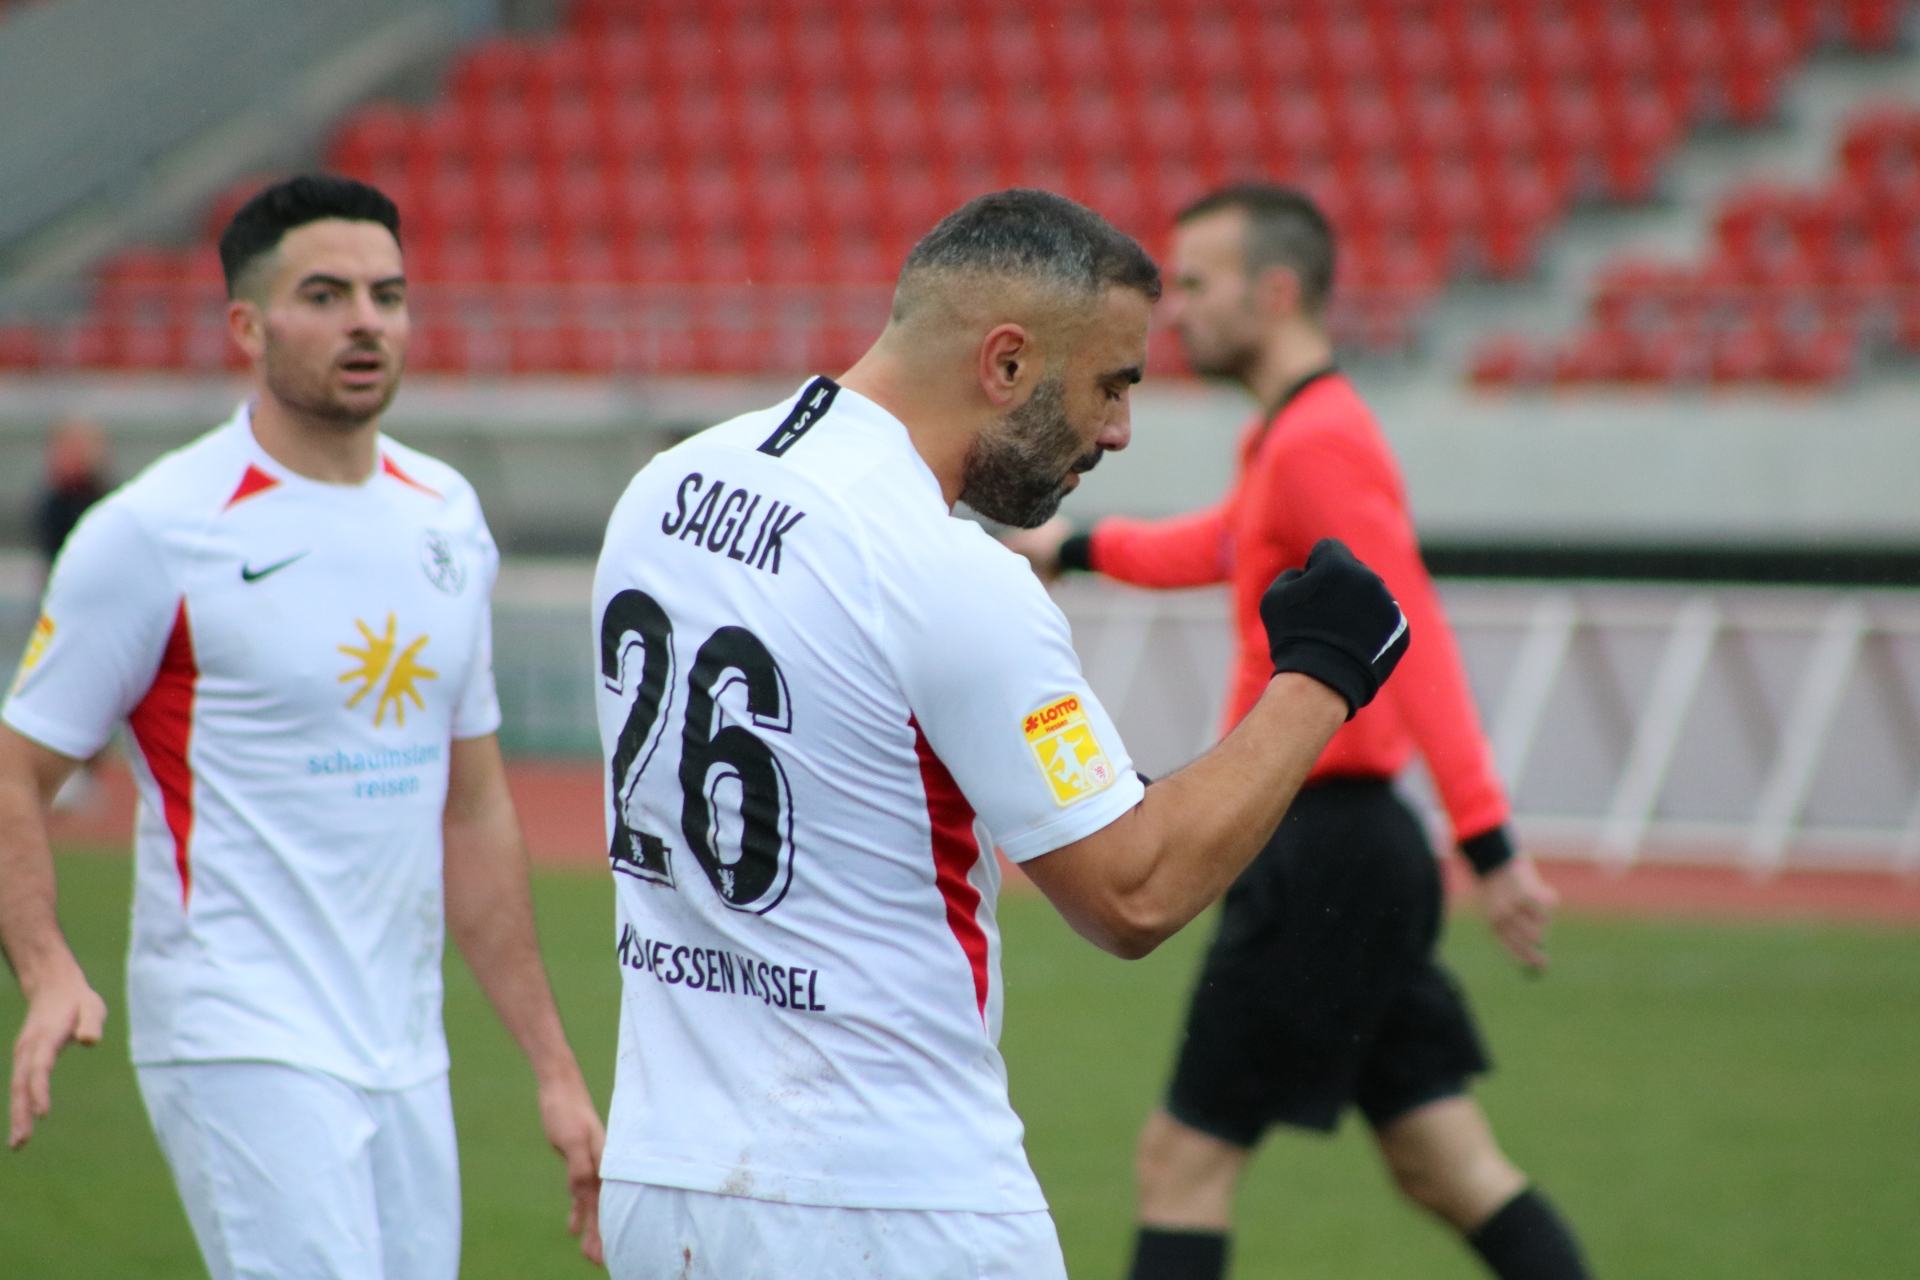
point(666, 1233)
point(298, 1175)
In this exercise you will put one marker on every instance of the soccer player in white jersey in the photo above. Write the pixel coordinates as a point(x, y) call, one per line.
point(291, 616)
point(824, 701)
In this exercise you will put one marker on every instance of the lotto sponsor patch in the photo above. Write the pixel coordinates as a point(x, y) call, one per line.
point(36, 649)
point(1067, 751)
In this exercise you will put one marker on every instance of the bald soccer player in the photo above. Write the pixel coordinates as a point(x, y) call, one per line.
point(291, 617)
point(824, 699)
point(1321, 990)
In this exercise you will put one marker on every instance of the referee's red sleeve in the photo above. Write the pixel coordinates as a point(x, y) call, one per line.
point(1345, 486)
point(1181, 551)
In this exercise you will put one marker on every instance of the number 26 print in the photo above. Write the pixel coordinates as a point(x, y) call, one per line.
point(736, 809)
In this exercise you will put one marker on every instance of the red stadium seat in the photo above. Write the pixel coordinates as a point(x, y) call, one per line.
point(698, 124)
point(618, 66)
point(558, 71)
point(724, 140)
point(1216, 51)
point(1503, 124)
point(1366, 128)
point(20, 347)
point(1639, 126)
point(1299, 130)
point(1416, 50)
point(1439, 125)
point(1873, 24)
point(450, 204)
point(1599, 355)
point(371, 137)
point(579, 201)
point(1483, 44)
point(633, 135)
point(493, 71)
point(505, 134)
point(1760, 47)
point(568, 135)
point(561, 348)
point(443, 137)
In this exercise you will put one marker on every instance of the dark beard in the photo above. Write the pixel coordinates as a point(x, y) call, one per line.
point(1016, 472)
point(299, 389)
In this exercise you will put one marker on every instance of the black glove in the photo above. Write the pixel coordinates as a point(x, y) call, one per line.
point(1335, 621)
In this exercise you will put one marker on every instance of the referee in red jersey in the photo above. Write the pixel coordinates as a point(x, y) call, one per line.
point(1321, 988)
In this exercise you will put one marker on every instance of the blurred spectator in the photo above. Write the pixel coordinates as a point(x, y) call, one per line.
point(78, 464)
point(77, 470)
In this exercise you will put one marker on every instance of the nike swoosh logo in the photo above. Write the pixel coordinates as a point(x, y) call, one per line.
point(254, 575)
point(1397, 633)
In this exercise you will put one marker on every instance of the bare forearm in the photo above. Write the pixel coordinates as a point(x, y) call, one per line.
point(490, 914)
point(1211, 819)
point(29, 925)
point(1130, 886)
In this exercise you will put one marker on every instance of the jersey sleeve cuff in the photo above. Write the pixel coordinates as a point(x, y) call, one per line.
point(478, 726)
point(1488, 851)
point(51, 734)
point(1075, 823)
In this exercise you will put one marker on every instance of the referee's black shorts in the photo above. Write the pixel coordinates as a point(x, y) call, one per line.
point(1321, 987)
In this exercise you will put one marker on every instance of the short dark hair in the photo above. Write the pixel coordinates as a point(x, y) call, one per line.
point(1285, 228)
point(1038, 235)
point(259, 225)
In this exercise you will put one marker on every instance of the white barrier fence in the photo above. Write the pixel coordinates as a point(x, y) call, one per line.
point(1765, 727)
point(1768, 728)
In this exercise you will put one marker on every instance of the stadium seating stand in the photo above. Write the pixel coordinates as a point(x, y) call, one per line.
point(690, 184)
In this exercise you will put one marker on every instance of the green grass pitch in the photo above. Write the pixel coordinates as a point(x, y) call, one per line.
point(1704, 1100)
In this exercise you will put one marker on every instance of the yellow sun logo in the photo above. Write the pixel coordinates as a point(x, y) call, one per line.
point(403, 673)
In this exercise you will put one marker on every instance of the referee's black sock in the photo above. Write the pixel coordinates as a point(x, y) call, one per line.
point(1527, 1239)
point(1159, 1254)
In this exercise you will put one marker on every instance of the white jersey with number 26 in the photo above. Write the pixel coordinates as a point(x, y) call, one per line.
point(823, 701)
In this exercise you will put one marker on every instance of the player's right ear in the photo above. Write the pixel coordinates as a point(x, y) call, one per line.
point(1005, 354)
point(247, 325)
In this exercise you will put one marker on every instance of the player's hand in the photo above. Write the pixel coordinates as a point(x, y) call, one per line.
point(61, 1010)
point(573, 1127)
point(1041, 546)
point(1519, 904)
point(1336, 621)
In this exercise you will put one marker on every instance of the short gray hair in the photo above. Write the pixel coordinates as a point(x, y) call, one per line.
point(1034, 235)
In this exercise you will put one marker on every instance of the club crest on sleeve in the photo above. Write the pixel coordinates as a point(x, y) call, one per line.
point(441, 562)
point(1067, 751)
point(36, 649)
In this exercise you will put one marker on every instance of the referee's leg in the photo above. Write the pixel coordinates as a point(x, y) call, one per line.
point(1443, 1157)
point(1186, 1180)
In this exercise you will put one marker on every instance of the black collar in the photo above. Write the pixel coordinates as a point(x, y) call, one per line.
point(1293, 392)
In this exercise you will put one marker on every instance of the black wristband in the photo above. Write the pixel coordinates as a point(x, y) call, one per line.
point(1489, 851)
point(1077, 552)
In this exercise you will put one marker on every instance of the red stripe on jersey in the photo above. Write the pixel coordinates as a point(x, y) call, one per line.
point(387, 465)
point(163, 725)
point(254, 481)
point(955, 851)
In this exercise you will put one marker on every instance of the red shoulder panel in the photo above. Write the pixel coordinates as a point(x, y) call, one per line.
point(254, 481)
point(388, 465)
